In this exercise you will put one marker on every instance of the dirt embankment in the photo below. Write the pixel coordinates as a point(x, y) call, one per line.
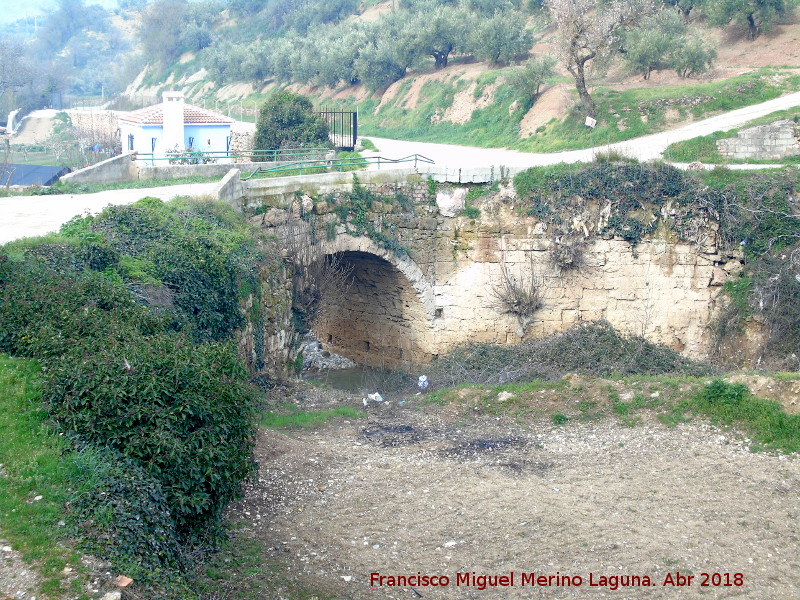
point(471, 488)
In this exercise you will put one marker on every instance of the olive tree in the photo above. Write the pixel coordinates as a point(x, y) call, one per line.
point(663, 41)
point(693, 57)
point(592, 29)
point(652, 45)
point(387, 53)
point(528, 79)
point(501, 38)
point(756, 15)
point(438, 32)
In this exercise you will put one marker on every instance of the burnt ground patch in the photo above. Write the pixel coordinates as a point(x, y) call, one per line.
point(482, 446)
point(393, 435)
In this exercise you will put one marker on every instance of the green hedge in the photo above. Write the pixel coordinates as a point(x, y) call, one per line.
point(132, 314)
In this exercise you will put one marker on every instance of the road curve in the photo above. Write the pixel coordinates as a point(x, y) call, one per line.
point(644, 148)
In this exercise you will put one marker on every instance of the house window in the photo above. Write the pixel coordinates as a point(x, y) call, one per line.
point(191, 142)
point(153, 144)
point(130, 141)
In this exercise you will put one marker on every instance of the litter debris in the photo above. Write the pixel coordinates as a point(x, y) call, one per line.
point(504, 396)
point(376, 397)
point(422, 382)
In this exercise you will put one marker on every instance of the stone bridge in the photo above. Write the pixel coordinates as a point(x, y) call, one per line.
point(431, 262)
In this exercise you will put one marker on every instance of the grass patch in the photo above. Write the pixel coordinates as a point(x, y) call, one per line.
point(764, 420)
point(671, 400)
point(243, 569)
point(351, 161)
point(489, 127)
point(368, 144)
point(703, 149)
point(289, 416)
point(515, 400)
point(35, 465)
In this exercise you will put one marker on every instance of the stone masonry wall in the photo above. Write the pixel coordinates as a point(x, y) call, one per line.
point(774, 141)
point(396, 314)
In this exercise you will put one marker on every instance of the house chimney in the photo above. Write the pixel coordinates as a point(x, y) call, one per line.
point(173, 121)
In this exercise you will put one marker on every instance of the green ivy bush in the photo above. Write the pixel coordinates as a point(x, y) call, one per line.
point(129, 373)
point(122, 513)
point(636, 193)
point(181, 410)
point(46, 313)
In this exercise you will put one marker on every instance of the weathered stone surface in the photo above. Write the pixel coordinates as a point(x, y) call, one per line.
point(451, 201)
point(774, 141)
point(440, 288)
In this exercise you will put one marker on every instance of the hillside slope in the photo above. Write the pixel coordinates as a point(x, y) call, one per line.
point(470, 101)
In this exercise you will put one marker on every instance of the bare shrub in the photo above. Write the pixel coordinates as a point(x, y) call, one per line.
point(320, 282)
point(520, 295)
point(591, 348)
point(567, 252)
point(320, 285)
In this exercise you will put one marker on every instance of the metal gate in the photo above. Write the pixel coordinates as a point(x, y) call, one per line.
point(343, 127)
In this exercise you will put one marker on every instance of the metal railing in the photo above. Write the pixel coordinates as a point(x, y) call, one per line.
point(200, 157)
point(337, 164)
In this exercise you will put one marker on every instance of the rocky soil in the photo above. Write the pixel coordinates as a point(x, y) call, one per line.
point(462, 488)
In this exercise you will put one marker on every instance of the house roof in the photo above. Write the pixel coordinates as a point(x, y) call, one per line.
point(192, 115)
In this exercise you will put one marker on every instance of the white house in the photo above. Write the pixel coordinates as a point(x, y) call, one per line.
point(174, 125)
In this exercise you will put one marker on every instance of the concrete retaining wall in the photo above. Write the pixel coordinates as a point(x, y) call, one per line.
point(112, 170)
point(468, 175)
point(280, 191)
point(230, 188)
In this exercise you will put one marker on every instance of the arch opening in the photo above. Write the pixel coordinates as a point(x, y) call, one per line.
point(381, 321)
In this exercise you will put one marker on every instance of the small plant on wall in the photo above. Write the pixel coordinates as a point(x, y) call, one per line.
point(567, 253)
point(519, 294)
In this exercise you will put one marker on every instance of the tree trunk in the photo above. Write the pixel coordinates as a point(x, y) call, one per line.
point(580, 83)
point(442, 56)
point(752, 27)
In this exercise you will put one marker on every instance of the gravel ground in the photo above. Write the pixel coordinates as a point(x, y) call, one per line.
point(422, 488)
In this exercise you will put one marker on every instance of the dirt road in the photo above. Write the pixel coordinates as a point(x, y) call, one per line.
point(648, 147)
point(442, 491)
point(23, 216)
point(26, 216)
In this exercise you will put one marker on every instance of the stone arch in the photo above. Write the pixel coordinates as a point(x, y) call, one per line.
point(386, 319)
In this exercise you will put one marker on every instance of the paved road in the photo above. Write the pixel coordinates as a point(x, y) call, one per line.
point(648, 147)
point(25, 216)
